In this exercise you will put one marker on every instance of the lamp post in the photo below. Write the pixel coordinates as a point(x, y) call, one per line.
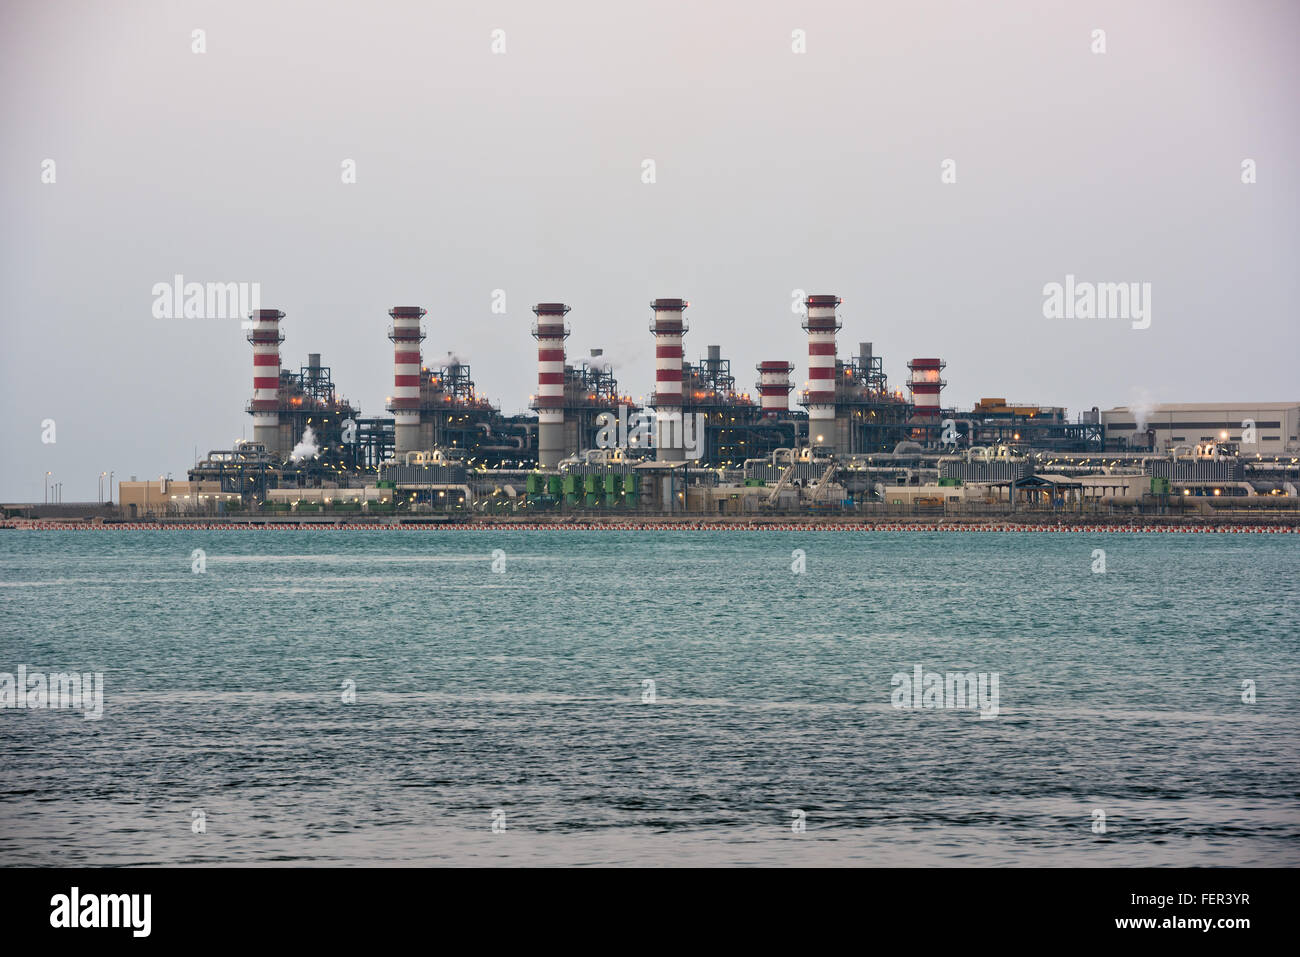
point(101, 487)
point(47, 487)
point(111, 473)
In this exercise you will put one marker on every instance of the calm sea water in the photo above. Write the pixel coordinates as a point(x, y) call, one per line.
point(517, 696)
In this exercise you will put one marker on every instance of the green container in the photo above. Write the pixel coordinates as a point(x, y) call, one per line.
point(613, 500)
point(571, 498)
point(629, 500)
point(592, 483)
point(554, 485)
point(949, 482)
point(571, 484)
point(593, 500)
point(534, 484)
point(1160, 486)
point(632, 483)
point(612, 484)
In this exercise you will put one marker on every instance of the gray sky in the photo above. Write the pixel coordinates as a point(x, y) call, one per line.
point(775, 171)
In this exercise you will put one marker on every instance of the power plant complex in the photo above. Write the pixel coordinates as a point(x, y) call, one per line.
point(703, 444)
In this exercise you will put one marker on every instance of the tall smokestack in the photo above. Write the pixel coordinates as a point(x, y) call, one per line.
point(925, 385)
point(265, 406)
point(774, 386)
point(668, 326)
point(406, 335)
point(550, 332)
point(822, 324)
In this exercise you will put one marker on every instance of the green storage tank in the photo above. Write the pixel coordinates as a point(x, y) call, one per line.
point(632, 483)
point(612, 484)
point(534, 484)
point(593, 500)
point(571, 498)
point(613, 500)
point(571, 484)
point(555, 485)
point(592, 483)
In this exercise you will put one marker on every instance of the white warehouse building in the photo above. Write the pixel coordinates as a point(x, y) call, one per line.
point(1276, 425)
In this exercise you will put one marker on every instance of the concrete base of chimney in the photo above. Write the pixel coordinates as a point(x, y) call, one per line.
point(550, 445)
point(269, 436)
point(406, 438)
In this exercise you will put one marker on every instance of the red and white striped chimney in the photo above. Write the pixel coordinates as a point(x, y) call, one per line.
point(668, 326)
point(822, 324)
point(550, 332)
point(406, 335)
point(925, 384)
point(265, 406)
point(774, 387)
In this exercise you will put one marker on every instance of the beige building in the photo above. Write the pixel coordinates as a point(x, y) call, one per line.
point(165, 497)
point(934, 496)
point(1276, 425)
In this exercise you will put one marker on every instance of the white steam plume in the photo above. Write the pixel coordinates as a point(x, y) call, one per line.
point(1142, 406)
point(307, 448)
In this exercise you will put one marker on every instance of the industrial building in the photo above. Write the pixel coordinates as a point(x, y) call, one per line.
point(1252, 428)
point(162, 495)
point(853, 442)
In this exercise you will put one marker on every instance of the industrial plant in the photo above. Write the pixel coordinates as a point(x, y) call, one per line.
point(705, 444)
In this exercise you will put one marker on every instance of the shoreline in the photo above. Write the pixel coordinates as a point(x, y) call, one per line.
point(1073, 524)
